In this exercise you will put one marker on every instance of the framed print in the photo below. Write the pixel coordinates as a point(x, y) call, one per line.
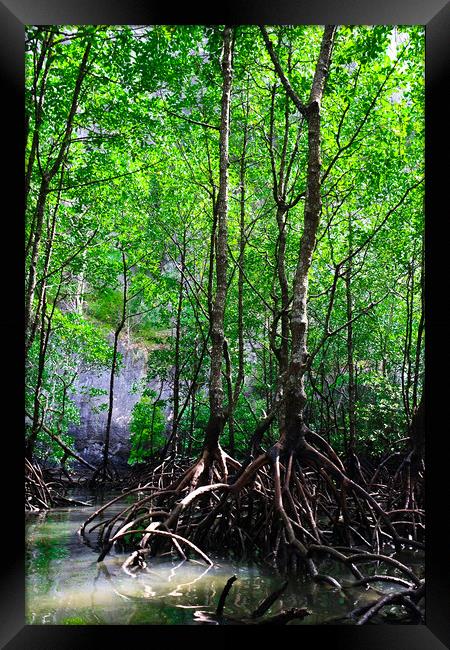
point(234, 327)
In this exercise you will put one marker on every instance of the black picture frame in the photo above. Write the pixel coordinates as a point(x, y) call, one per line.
point(435, 15)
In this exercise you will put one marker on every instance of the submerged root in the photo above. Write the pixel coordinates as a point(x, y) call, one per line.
point(408, 598)
point(257, 617)
point(289, 510)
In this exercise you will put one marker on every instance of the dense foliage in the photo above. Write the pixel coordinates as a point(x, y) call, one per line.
point(122, 178)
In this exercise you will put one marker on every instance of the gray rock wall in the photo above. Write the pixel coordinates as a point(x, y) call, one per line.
point(89, 434)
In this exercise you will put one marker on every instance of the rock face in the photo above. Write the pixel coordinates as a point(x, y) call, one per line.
point(89, 434)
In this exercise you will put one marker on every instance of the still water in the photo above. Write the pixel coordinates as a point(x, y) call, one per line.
point(66, 585)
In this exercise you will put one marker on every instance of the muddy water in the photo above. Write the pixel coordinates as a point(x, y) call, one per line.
point(66, 585)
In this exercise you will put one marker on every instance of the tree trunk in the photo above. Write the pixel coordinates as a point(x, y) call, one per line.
point(177, 371)
point(417, 430)
point(293, 436)
point(234, 395)
point(406, 366)
point(350, 357)
point(283, 357)
point(44, 190)
point(32, 271)
point(119, 328)
point(420, 330)
point(32, 326)
point(45, 332)
point(216, 417)
point(43, 64)
point(280, 178)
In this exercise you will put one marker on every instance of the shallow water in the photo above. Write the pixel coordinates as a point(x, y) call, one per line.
point(66, 585)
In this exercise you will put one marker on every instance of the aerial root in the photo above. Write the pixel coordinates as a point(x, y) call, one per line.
point(173, 536)
point(224, 594)
point(408, 598)
point(42, 492)
point(291, 510)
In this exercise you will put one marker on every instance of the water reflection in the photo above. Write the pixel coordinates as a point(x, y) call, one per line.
point(66, 585)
